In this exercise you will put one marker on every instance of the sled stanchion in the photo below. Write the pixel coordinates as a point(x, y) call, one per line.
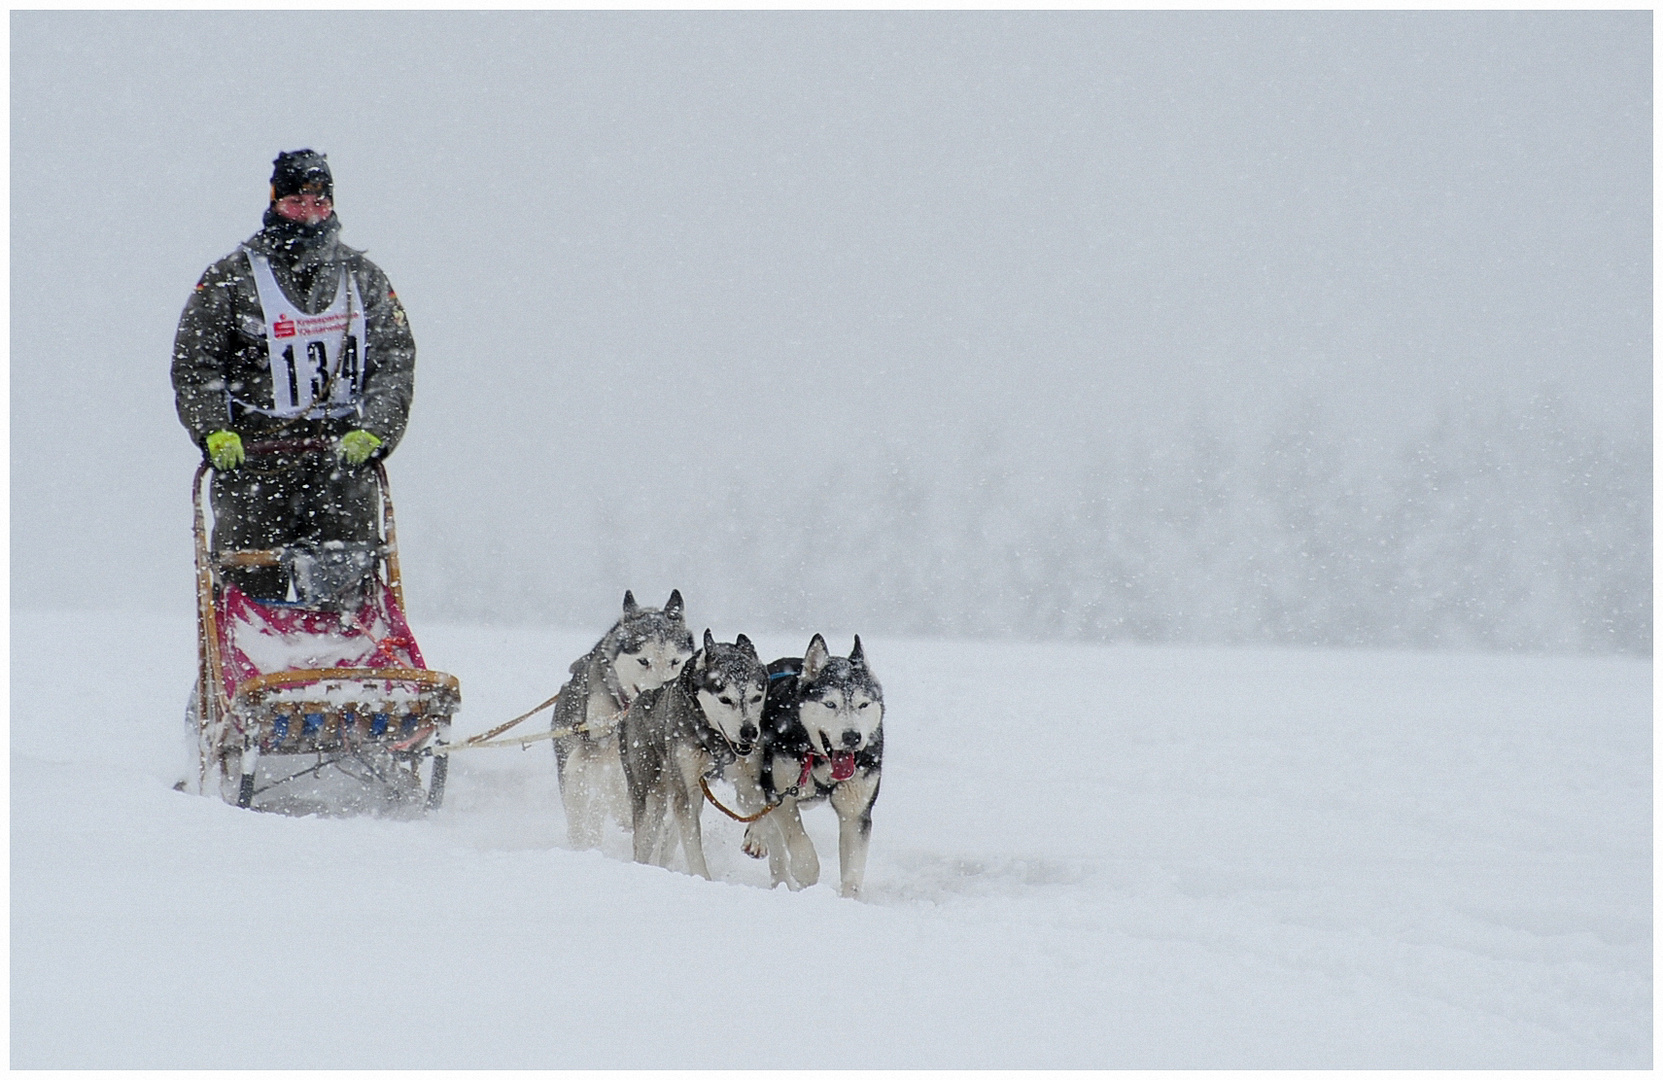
point(213, 704)
point(389, 535)
point(245, 788)
point(436, 787)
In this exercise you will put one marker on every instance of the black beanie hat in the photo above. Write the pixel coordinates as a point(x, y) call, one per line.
point(294, 170)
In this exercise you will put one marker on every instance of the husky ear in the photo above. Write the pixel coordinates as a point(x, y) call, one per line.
point(630, 606)
point(815, 658)
point(709, 642)
point(857, 657)
point(745, 646)
point(672, 606)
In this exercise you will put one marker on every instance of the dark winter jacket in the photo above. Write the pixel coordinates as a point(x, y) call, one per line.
point(221, 343)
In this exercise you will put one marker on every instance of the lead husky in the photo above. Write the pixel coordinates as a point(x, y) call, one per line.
point(822, 738)
point(644, 649)
point(690, 728)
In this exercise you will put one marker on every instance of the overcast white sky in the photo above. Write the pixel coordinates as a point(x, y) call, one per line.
point(639, 248)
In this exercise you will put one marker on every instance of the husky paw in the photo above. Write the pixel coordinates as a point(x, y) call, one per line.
point(753, 845)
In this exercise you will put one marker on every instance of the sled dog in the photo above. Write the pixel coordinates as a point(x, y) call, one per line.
point(690, 728)
point(644, 649)
point(822, 739)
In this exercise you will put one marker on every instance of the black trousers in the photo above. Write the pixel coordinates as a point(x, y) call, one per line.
point(273, 500)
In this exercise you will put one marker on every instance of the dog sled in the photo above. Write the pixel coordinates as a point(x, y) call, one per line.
point(322, 703)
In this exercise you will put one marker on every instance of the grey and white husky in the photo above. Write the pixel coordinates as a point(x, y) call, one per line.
point(692, 727)
point(644, 649)
point(822, 739)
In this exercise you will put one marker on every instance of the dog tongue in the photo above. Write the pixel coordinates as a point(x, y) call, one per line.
point(843, 765)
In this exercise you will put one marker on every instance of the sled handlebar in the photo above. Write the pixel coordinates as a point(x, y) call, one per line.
point(287, 446)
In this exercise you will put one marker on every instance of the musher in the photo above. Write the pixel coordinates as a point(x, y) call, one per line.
point(298, 340)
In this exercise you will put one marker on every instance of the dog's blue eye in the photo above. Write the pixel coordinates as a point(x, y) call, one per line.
point(864, 704)
point(644, 662)
point(828, 704)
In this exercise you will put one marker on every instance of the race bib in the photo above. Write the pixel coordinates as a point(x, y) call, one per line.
point(317, 361)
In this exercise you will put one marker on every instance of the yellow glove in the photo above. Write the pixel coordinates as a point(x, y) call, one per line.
point(225, 450)
point(356, 446)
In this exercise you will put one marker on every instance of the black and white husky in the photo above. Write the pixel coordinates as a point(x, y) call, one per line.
point(822, 739)
point(690, 728)
point(643, 650)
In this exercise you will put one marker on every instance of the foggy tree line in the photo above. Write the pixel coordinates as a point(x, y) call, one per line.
point(1501, 525)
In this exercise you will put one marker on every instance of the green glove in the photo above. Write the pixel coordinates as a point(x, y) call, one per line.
point(225, 450)
point(356, 446)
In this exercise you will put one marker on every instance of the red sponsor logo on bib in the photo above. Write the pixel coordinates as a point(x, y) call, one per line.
point(283, 327)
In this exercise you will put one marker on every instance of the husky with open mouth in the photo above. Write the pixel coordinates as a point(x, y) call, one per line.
point(822, 739)
point(645, 648)
point(690, 729)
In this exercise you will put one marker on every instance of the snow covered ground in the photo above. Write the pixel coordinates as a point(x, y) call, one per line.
point(1083, 857)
